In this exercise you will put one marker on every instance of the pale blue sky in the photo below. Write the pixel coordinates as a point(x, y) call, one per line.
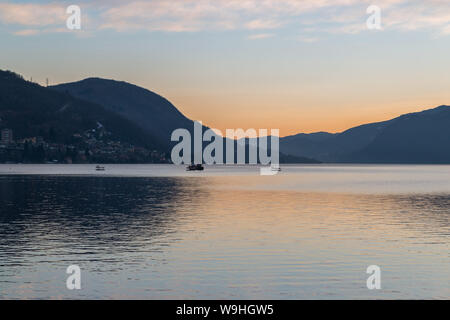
point(299, 66)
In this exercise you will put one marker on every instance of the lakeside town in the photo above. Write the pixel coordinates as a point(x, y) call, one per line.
point(90, 146)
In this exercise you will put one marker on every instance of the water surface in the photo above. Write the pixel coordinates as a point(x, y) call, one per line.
point(158, 232)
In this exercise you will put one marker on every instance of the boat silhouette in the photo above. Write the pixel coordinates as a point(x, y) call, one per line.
point(195, 167)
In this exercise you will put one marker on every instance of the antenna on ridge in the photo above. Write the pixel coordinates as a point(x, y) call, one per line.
point(46, 80)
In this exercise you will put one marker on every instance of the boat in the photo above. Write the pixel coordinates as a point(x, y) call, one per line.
point(195, 167)
point(99, 168)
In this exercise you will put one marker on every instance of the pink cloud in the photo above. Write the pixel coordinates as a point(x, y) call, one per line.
point(32, 14)
point(326, 16)
point(27, 32)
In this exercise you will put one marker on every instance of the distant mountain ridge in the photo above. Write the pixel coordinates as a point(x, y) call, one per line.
point(150, 111)
point(420, 137)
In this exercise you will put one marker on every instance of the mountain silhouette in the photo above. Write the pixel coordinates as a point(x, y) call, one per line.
point(421, 137)
point(150, 111)
point(32, 110)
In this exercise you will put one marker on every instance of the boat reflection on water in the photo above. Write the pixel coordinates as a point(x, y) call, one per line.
point(276, 168)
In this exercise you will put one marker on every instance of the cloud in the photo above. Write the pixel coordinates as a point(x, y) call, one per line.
point(260, 36)
point(263, 24)
point(446, 30)
point(32, 14)
point(330, 16)
point(26, 32)
point(197, 15)
point(324, 16)
point(427, 15)
point(29, 19)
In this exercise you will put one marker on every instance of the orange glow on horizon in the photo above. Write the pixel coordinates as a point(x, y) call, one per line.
point(290, 121)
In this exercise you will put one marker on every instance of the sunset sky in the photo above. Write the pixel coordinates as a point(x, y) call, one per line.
point(300, 66)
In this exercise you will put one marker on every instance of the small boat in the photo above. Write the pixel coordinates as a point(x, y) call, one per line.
point(99, 168)
point(195, 167)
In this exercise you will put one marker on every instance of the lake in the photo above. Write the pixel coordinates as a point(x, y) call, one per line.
point(159, 232)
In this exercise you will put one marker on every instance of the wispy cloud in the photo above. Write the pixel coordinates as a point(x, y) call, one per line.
point(29, 19)
point(263, 24)
point(327, 16)
point(196, 15)
point(446, 30)
point(260, 36)
point(32, 14)
point(27, 32)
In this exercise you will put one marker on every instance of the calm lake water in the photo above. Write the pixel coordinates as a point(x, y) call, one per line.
point(159, 232)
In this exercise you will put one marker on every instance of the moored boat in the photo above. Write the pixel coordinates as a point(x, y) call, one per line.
point(195, 167)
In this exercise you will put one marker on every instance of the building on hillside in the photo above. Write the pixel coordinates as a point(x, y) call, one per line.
point(7, 137)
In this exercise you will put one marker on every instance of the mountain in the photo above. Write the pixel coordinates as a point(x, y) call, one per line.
point(31, 110)
point(150, 111)
point(330, 147)
point(421, 137)
point(137, 116)
point(94, 120)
